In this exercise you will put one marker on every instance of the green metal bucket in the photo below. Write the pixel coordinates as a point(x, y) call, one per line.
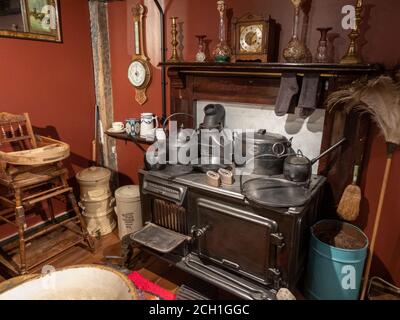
point(334, 273)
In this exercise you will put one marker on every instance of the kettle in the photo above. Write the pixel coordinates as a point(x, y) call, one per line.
point(186, 138)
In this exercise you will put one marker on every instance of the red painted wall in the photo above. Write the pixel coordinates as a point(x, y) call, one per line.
point(54, 82)
point(200, 17)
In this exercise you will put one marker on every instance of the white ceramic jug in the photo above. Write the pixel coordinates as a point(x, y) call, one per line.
point(147, 125)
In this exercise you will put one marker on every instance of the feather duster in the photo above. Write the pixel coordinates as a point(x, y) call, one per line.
point(380, 97)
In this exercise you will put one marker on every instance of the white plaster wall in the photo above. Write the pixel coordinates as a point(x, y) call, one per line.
point(306, 133)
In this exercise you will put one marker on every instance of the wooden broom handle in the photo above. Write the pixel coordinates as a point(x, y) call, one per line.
point(376, 226)
point(94, 151)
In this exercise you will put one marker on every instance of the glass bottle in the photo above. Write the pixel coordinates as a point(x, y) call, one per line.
point(322, 55)
point(201, 55)
point(222, 52)
point(295, 51)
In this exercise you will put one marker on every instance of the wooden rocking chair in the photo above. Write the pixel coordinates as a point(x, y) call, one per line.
point(31, 172)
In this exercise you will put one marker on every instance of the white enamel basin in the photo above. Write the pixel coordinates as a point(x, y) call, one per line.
point(87, 282)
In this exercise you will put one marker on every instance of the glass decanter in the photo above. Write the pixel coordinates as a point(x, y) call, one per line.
point(295, 51)
point(222, 52)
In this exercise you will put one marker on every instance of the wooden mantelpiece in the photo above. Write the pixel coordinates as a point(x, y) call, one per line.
point(259, 83)
point(248, 82)
point(272, 69)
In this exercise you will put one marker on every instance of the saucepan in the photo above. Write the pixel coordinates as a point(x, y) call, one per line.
point(298, 168)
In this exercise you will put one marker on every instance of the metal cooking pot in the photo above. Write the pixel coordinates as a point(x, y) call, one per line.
point(298, 168)
point(269, 151)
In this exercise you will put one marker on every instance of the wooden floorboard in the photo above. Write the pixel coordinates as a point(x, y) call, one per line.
point(153, 269)
point(150, 267)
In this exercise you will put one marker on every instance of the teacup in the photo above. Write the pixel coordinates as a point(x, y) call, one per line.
point(118, 126)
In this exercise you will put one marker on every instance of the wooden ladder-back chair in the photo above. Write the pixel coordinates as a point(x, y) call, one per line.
point(31, 172)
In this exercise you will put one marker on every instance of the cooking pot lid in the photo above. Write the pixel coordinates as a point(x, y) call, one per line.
point(298, 160)
point(275, 192)
point(263, 136)
point(127, 193)
point(93, 174)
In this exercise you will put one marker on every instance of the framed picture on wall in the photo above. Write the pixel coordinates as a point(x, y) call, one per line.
point(42, 17)
point(30, 19)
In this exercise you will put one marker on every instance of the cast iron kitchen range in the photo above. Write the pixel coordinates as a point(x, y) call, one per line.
point(216, 234)
point(249, 238)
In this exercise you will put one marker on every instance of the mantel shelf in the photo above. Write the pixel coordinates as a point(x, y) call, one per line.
point(139, 141)
point(273, 69)
point(127, 137)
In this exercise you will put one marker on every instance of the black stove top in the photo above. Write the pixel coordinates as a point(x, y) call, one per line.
point(184, 175)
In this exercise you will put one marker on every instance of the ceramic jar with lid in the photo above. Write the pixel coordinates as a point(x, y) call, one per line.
point(96, 200)
point(94, 183)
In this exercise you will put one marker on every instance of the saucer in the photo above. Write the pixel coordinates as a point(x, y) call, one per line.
point(112, 130)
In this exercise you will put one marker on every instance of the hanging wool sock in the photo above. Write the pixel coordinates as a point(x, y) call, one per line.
point(308, 95)
point(289, 88)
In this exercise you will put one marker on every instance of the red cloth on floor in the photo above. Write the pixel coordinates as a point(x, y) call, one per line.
point(146, 285)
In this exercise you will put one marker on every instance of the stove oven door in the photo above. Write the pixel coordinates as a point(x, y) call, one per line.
point(236, 239)
point(165, 216)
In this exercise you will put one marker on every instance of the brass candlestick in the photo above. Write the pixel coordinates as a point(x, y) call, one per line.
point(296, 51)
point(352, 56)
point(174, 42)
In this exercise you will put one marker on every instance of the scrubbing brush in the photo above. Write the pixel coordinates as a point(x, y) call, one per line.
point(349, 205)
